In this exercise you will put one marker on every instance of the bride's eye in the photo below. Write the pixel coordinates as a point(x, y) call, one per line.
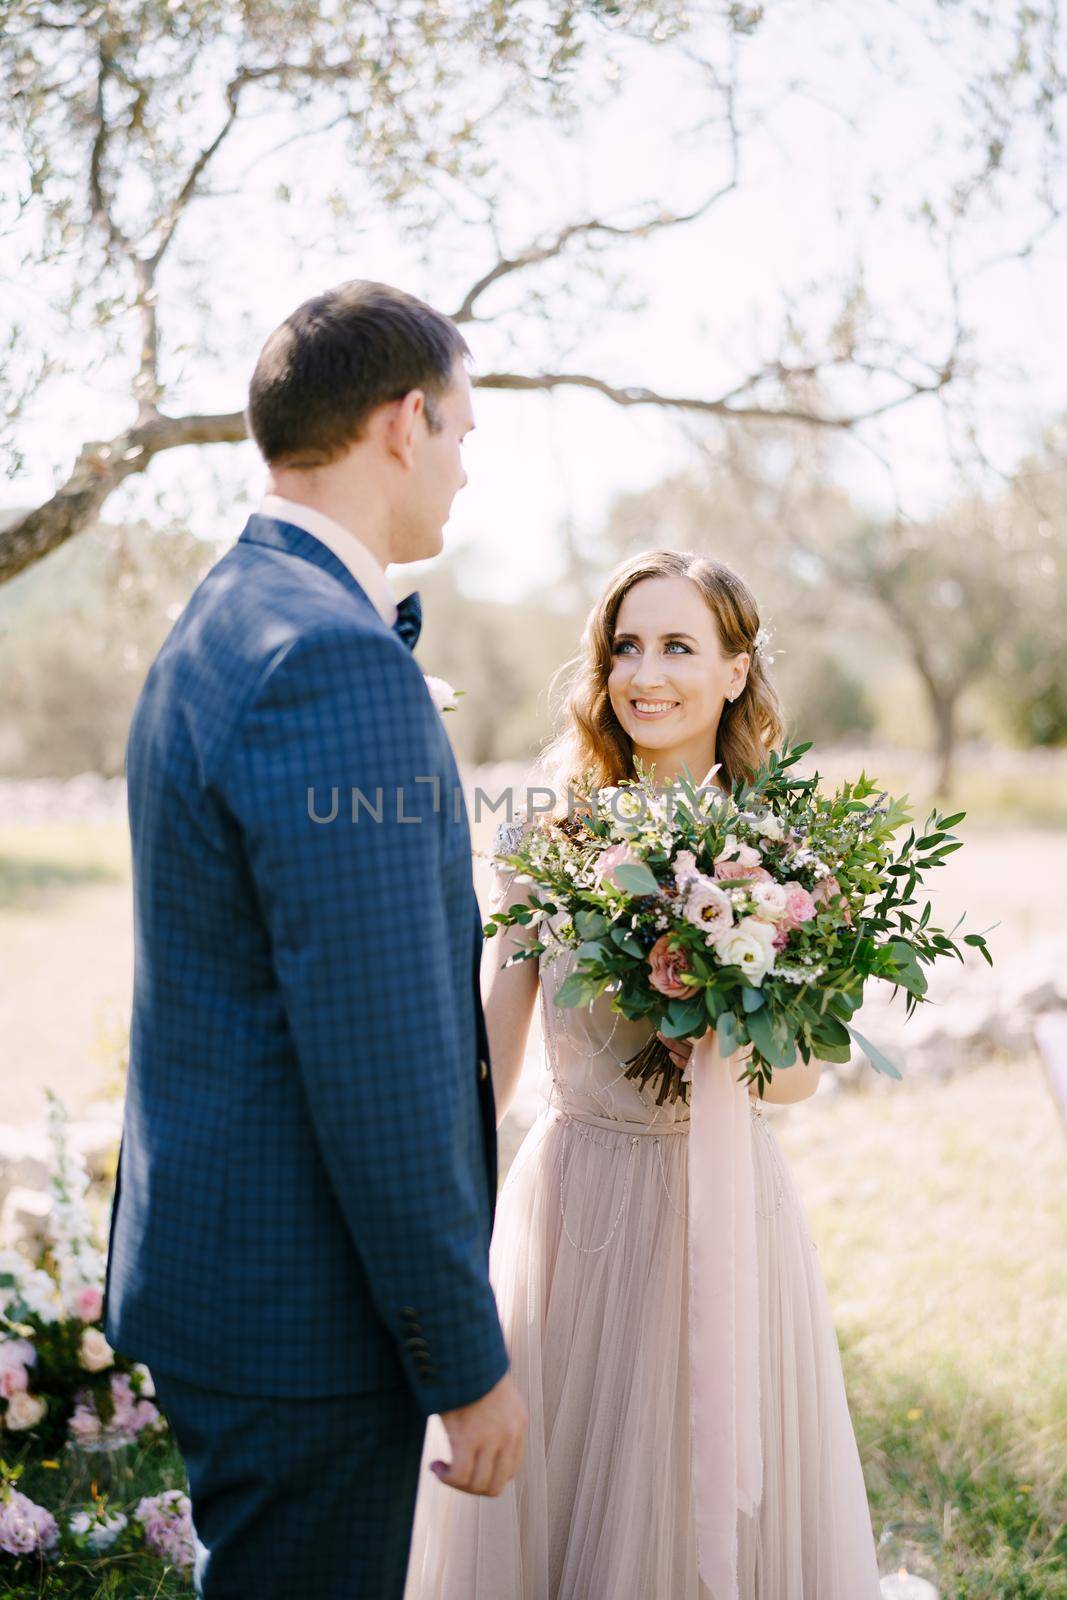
point(623, 644)
point(681, 645)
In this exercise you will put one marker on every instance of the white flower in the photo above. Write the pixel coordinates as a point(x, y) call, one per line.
point(745, 855)
point(102, 1533)
point(442, 693)
point(95, 1353)
point(38, 1294)
point(771, 900)
point(24, 1411)
point(148, 1388)
point(769, 827)
point(626, 806)
point(749, 946)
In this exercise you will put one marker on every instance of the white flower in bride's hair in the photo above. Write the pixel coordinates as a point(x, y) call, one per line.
point(760, 645)
point(444, 697)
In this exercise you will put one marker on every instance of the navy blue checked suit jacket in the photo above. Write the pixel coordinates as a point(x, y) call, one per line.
point(307, 1176)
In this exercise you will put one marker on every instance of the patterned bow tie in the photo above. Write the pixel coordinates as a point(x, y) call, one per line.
point(408, 622)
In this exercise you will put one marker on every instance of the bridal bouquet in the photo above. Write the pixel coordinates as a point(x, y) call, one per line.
point(760, 913)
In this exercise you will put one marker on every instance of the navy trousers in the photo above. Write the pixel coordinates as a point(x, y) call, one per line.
point(298, 1497)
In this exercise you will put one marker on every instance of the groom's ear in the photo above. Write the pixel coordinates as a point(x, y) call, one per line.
point(401, 422)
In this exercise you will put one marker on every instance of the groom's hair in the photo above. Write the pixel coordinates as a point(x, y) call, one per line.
point(338, 358)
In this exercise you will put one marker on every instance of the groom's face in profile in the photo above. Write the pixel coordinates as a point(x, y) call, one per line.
point(437, 472)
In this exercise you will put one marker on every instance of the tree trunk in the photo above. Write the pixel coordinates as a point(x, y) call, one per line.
point(943, 703)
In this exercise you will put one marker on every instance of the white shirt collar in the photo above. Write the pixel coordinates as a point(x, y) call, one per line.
point(361, 562)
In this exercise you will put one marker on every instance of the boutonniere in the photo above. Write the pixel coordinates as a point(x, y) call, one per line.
point(444, 697)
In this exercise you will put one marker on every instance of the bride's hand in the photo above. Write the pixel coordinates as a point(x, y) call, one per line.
point(680, 1049)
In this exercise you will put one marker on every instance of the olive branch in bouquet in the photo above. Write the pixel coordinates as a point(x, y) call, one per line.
point(761, 912)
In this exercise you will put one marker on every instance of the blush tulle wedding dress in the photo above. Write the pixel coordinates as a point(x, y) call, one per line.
point(590, 1271)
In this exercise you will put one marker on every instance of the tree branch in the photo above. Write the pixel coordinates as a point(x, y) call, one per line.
point(99, 470)
point(99, 207)
point(726, 405)
point(535, 254)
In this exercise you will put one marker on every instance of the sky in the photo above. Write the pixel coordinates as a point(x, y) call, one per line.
point(712, 291)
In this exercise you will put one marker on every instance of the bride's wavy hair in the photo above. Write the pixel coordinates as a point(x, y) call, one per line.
point(591, 749)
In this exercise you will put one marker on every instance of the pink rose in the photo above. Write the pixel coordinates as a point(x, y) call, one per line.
point(799, 904)
point(16, 1353)
point(667, 966)
point(617, 855)
point(88, 1303)
point(828, 889)
point(725, 871)
point(16, 1358)
point(13, 1380)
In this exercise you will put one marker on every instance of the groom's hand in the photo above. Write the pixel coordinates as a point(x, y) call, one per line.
point(487, 1439)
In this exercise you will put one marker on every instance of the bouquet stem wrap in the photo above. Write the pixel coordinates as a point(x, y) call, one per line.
point(723, 1313)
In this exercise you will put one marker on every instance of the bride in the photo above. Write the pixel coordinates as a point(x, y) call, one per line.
point(589, 1258)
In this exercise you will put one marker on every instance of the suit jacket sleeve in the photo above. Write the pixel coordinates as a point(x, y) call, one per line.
point(361, 948)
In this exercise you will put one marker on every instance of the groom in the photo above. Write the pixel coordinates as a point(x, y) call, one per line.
point(307, 1180)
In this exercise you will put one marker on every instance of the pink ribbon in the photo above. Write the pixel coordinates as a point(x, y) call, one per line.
point(723, 1313)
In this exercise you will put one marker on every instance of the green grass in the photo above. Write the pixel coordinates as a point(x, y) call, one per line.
point(940, 1213)
point(41, 865)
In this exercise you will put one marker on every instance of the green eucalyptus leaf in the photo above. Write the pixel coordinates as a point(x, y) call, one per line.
point(879, 1062)
point(635, 878)
point(683, 1017)
point(772, 1046)
point(728, 1033)
point(575, 990)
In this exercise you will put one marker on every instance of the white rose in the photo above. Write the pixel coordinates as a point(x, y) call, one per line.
point(769, 827)
point(25, 1411)
point(749, 946)
point(148, 1388)
point(442, 693)
point(95, 1353)
point(771, 899)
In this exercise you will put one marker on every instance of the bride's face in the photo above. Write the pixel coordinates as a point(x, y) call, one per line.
point(669, 677)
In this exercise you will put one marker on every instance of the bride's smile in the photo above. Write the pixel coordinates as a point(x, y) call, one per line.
point(669, 679)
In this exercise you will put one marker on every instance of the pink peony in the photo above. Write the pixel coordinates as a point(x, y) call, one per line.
point(828, 889)
point(667, 966)
point(88, 1303)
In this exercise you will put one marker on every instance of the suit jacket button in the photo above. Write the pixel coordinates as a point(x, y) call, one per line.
point(483, 1070)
